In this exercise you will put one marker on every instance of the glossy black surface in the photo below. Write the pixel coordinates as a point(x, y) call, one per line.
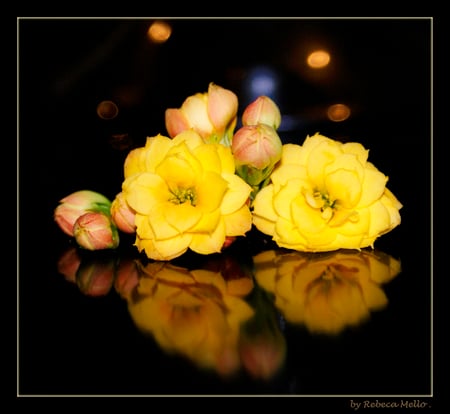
point(71, 343)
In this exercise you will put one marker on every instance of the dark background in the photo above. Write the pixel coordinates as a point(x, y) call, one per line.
point(381, 68)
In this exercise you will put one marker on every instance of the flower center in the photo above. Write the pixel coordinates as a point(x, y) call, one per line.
point(321, 201)
point(181, 195)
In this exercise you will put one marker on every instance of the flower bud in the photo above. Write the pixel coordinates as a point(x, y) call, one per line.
point(122, 214)
point(262, 111)
point(75, 205)
point(212, 114)
point(95, 231)
point(256, 150)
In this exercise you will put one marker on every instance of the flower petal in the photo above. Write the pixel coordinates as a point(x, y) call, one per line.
point(237, 194)
point(144, 191)
point(210, 192)
point(182, 216)
point(239, 222)
point(165, 249)
point(372, 187)
point(208, 243)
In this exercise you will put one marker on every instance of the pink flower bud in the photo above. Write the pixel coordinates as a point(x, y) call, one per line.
point(212, 114)
point(176, 122)
point(222, 106)
point(95, 231)
point(122, 214)
point(257, 146)
point(75, 205)
point(262, 111)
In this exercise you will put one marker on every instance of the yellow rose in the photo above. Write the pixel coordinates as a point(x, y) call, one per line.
point(326, 292)
point(193, 313)
point(325, 195)
point(185, 195)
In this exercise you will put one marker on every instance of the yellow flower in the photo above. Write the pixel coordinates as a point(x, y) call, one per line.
point(194, 313)
point(325, 195)
point(326, 292)
point(185, 195)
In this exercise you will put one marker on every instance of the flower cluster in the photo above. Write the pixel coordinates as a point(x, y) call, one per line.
point(206, 183)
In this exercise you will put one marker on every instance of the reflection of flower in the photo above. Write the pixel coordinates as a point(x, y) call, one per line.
point(324, 196)
point(192, 313)
point(185, 195)
point(326, 292)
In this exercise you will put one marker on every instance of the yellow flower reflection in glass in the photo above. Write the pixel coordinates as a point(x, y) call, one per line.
point(325, 195)
point(326, 292)
point(186, 195)
point(196, 313)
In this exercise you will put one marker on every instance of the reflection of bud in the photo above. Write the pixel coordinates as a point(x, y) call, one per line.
point(127, 277)
point(262, 110)
point(262, 345)
point(95, 231)
point(75, 205)
point(256, 150)
point(122, 214)
point(95, 276)
point(68, 264)
point(326, 292)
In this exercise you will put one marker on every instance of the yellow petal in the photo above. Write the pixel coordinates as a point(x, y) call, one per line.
point(239, 222)
point(319, 158)
point(190, 137)
point(179, 168)
point(291, 154)
point(283, 174)
point(264, 225)
point(156, 149)
point(286, 234)
point(344, 186)
point(282, 199)
point(372, 187)
point(165, 249)
point(380, 220)
point(134, 162)
point(263, 204)
point(208, 243)
point(357, 149)
point(210, 192)
point(182, 216)
point(226, 159)
point(237, 194)
point(144, 191)
point(209, 158)
point(207, 223)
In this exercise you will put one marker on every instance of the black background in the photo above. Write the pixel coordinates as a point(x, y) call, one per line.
point(71, 344)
